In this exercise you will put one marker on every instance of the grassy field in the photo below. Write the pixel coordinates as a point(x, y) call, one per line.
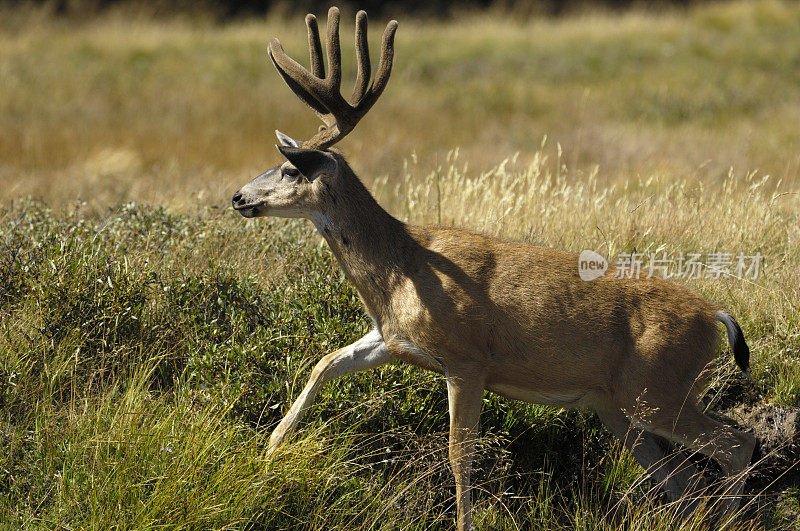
point(150, 338)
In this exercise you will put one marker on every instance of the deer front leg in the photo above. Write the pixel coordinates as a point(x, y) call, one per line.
point(465, 394)
point(366, 353)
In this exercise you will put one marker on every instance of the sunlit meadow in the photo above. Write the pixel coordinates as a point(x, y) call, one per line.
point(150, 338)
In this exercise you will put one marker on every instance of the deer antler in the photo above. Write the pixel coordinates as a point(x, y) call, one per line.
point(323, 93)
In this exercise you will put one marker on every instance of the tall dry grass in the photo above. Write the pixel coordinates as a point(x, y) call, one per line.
point(165, 111)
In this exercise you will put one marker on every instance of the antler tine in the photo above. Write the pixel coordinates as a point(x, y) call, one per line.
point(315, 47)
point(385, 64)
point(334, 79)
point(301, 81)
point(362, 59)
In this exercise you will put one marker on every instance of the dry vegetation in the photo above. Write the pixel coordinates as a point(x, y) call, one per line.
point(187, 107)
point(145, 352)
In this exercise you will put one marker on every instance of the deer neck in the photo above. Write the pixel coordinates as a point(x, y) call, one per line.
point(371, 246)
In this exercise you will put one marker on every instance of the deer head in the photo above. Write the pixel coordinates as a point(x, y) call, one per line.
point(294, 188)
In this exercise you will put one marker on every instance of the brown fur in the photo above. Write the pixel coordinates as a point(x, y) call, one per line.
point(522, 312)
point(529, 318)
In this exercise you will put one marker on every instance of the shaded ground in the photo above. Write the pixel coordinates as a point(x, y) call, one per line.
point(776, 467)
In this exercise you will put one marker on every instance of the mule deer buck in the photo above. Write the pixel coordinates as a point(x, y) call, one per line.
point(492, 314)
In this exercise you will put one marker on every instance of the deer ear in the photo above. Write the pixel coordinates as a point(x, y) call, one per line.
point(310, 162)
point(286, 140)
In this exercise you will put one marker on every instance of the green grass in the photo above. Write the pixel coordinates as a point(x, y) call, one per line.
point(150, 338)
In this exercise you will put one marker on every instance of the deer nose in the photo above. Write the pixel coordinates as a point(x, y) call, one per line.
point(237, 197)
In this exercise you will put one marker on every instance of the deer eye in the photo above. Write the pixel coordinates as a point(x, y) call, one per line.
point(291, 172)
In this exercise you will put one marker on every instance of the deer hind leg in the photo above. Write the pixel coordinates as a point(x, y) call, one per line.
point(465, 396)
point(366, 353)
point(670, 469)
point(730, 448)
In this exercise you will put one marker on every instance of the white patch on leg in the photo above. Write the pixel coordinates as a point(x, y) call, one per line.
point(423, 355)
point(368, 352)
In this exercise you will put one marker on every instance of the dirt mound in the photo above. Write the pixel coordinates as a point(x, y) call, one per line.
point(776, 464)
point(774, 426)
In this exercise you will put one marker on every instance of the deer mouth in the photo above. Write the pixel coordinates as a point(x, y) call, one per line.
point(249, 211)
